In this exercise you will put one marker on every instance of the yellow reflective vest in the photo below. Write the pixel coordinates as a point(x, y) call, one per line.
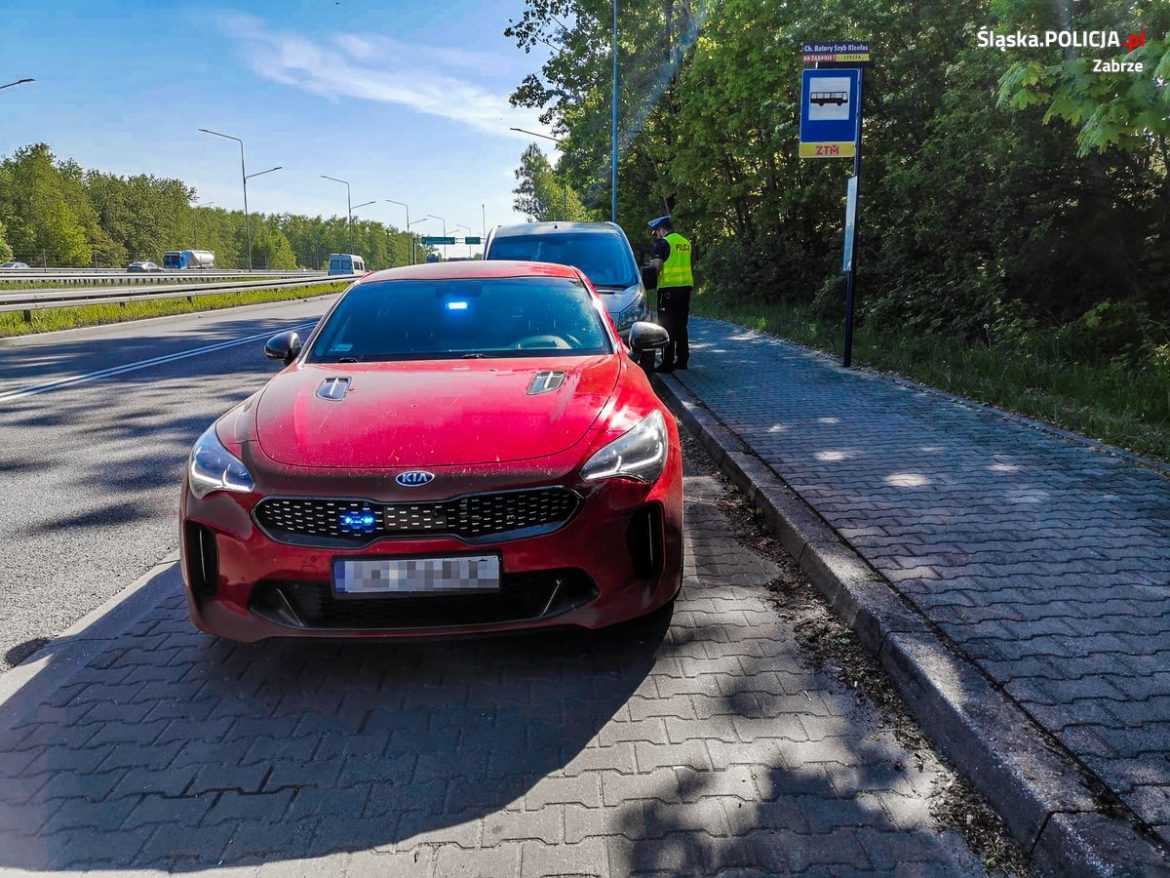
point(676, 270)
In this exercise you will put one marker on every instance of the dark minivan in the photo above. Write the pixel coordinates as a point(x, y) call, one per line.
point(600, 250)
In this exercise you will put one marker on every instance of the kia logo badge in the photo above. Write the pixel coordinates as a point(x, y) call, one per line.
point(415, 478)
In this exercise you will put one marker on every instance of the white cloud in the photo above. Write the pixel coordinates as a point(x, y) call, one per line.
point(384, 70)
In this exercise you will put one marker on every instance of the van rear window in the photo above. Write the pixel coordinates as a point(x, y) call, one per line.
point(604, 258)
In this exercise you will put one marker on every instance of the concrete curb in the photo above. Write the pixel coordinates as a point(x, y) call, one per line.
point(25, 686)
point(1047, 800)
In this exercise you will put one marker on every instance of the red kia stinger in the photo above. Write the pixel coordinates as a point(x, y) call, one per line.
point(456, 448)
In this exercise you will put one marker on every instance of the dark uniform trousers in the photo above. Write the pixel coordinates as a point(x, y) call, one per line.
point(674, 309)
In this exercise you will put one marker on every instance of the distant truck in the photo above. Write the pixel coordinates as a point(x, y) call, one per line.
point(189, 259)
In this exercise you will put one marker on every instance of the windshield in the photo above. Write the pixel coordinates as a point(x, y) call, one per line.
point(468, 318)
point(605, 258)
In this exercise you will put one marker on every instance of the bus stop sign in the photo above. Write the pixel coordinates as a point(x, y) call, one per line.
point(829, 101)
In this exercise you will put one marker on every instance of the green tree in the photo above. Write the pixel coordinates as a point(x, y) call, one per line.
point(981, 215)
point(1107, 110)
point(45, 209)
point(540, 195)
point(142, 215)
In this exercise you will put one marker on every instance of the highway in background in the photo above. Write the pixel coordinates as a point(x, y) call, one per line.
point(33, 298)
point(81, 276)
point(95, 426)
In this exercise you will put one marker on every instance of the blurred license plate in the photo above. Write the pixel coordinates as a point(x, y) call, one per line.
point(416, 575)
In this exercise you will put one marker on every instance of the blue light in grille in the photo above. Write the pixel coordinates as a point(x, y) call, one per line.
point(358, 522)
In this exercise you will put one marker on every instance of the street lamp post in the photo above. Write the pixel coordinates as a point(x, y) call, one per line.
point(536, 134)
point(18, 82)
point(407, 206)
point(244, 179)
point(247, 221)
point(348, 207)
point(423, 220)
point(352, 209)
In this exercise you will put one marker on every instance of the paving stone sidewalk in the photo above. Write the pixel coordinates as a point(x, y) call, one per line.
point(1046, 561)
point(710, 747)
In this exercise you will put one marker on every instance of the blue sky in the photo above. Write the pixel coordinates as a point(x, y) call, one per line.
point(406, 100)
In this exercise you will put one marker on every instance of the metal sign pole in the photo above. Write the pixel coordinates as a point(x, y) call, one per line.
point(831, 102)
point(850, 282)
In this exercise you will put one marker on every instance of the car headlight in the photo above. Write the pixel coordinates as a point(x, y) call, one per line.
point(214, 468)
point(639, 453)
point(632, 313)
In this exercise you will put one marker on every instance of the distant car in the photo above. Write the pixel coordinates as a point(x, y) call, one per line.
point(14, 265)
point(144, 266)
point(600, 250)
point(457, 448)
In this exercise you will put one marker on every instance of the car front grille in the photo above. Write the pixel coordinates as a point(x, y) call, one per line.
point(523, 597)
point(474, 518)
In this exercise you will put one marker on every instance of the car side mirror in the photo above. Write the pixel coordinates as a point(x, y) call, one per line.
point(285, 347)
point(647, 337)
point(649, 277)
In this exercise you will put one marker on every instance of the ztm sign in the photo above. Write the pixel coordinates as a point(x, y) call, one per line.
point(829, 101)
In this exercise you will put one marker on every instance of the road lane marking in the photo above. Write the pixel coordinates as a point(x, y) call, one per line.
point(141, 364)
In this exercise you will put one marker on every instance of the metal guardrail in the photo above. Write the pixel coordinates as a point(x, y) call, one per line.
point(35, 300)
point(91, 276)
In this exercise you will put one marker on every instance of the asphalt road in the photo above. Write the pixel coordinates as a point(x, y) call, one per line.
point(90, 466)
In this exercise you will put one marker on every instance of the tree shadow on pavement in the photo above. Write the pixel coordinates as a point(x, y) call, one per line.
point(289, 750)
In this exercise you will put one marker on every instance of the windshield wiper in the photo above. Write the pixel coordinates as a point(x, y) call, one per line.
point(347, 359)
point(474, 357)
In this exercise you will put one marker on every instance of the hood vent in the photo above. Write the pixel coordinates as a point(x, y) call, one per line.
point(543, 382)
point(334, 389)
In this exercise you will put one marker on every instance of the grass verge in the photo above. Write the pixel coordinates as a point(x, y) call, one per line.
point(12, 323)
point(1108, 401)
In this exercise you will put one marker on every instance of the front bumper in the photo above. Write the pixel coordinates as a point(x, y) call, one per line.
point(619, 557)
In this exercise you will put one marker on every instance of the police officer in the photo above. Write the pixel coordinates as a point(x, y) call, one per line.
point(671, 258)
